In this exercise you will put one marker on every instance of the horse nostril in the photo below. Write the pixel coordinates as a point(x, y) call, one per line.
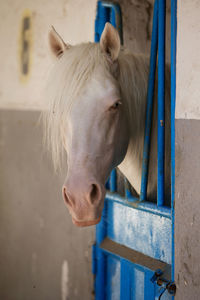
point(66, 198)
point(95, 193)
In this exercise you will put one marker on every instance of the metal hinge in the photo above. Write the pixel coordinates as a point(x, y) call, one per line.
point(162, 285)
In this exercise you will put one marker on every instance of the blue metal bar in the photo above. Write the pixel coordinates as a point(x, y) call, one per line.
point(107, 12)
point(149, 109)
point(128, 195)
point(161, 105)
point(100, 280)
point(162, 211)
point(173, 102)
point(125, 279)
point(103, 15)
point(113, 181)
point(115, 17)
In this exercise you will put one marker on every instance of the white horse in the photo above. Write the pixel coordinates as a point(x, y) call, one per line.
point(97, 106)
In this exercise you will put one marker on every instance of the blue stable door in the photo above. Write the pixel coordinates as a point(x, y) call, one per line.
point(133, 257)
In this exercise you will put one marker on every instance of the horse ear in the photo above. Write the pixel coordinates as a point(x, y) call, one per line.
point(57, 45)
point(110, 42)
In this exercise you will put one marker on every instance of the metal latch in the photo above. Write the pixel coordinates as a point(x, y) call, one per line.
point(162, 285)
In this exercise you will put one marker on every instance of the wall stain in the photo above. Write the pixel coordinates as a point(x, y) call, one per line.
point(148, 11)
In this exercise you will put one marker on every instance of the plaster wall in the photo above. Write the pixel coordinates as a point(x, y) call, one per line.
point(187, 182)
point(188, 62)
point(42, 254)
point(74, 20)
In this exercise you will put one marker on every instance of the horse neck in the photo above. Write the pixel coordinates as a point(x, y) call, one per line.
point(133, 81)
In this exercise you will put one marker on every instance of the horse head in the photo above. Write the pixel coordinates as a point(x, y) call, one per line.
point(90, 116)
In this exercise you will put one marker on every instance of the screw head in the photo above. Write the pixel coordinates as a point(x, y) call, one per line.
point(171, 287)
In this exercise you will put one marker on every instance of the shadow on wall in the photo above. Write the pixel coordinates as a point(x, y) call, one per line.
point(42, 254)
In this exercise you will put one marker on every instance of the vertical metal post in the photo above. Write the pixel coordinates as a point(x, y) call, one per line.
point(161, 104)
point(113, 181)
point(103, 16)
point(149, 109)
point(100, 280)
point(173, 102)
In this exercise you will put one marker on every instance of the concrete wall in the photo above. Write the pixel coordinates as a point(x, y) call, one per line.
point(187, 187)
point(74, 20)
point(42, 254)
point(188, 62)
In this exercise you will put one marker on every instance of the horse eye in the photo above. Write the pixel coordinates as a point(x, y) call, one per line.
point(115, 105)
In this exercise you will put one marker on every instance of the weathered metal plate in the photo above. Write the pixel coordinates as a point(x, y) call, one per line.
point(128, 274)
point(140, 230)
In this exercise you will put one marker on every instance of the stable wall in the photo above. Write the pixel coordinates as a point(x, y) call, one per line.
point(74, 20)
point(42, 254)
point(187, 184)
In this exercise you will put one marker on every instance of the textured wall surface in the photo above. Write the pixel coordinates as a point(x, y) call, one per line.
point(188, 61)
point(74, 20)
point(42, 254)
point(137, 25)
point(187, 187)
point(187, 209)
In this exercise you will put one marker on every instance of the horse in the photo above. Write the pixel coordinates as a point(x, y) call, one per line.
point(96, 116)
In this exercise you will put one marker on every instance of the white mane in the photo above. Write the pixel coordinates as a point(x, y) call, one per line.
point(70, 75)
point(133, 80)
point(67, 80)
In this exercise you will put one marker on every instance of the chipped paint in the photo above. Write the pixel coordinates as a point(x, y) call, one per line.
point(25, 46)
point(34, 264)
point(64, 281)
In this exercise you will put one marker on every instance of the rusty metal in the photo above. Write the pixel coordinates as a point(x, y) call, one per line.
point(162, 284)
point(171, 287)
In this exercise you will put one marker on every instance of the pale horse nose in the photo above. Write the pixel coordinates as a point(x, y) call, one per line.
point(93, 195)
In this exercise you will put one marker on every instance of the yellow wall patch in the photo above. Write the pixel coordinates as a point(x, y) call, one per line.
point(25, 46)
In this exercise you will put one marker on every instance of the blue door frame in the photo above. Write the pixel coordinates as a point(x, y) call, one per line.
point(133, 257)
